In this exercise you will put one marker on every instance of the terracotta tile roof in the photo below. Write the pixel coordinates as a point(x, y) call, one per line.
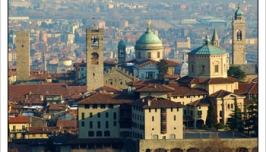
point(242, 88)
point(67, 123)
point(171, 76)
point(18, 120)
point(138, 84)
point(220, 94)
point(110, 88)
point(155, 103)
point(247, 88)
point(102, 98)
point(57, 107)
point(18, 92)
point(201, 102)
point(172, 63)
point(190, 80)
point(253, 89)
point(146, 62)
point(155, 88)
point(110, 62)
point(42, 129)
point(182, 90)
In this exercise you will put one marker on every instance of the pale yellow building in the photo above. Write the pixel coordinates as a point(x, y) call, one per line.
point(156, 118)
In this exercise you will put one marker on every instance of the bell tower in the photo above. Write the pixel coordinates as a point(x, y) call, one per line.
point(238, 38)
point(94, 59)
point(121, 52)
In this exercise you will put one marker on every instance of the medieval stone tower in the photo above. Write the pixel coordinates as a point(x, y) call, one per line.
point(121, 52)
point(94, 51)
point(23, 55)
point(238, 38)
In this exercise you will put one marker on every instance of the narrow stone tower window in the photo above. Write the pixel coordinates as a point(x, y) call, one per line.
point(202, 68)
point(239, 35)
point(192, 68)
point(94, 58)
point(94, 41)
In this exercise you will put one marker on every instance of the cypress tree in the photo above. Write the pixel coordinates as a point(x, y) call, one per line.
point(211, 119)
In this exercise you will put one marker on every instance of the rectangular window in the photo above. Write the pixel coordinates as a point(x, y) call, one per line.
point(99, 124)
point(82, 115)
point(152, 118)
point(90, 114)
point(87, 106)
point(149, 109)
point(216, 70)
point(171, 109)
point(114, 115)
point(185, 112)
point(82, 123)
point(158, 55)
point(139, 54)
point(91, 125)
point(221, 113)
point(99, 115)
point(174, 118)
point(199, 113)
point(181, 96)
point(111, 106)
point(94, 106)
point(106, 115)
point(155, 109)
point(114, 123)
point(203, 68)
point(102, 106)
point(192, 68)
point(149, 54)
point(106, 124)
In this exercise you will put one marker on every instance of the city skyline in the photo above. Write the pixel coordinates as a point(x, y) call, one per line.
point(192, 49)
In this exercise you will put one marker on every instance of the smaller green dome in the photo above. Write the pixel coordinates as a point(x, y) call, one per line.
point(148, 38)
point(207, 49)
point(121, 43)
point(238, 13)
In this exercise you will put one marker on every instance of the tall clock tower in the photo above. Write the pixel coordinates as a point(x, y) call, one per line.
point(121, 52)
point(94, 60)
point(239, 38)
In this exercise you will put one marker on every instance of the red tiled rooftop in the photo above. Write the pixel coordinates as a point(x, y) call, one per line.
point(185, 90)
point(102, 98)
point(220, 94)
point(18, 120)
point(146, 62)
point(155, 102)
point(67, 123)
point(156, 88)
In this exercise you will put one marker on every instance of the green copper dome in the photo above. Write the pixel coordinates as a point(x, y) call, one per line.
point(121, 43)
point(208, 49)
point(148, 37)
point(238, 13)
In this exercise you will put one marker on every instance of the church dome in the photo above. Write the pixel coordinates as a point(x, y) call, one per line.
point(148, 38)
point(121, 43)
point(207, 49)
point(182, 69)
point(238, 13)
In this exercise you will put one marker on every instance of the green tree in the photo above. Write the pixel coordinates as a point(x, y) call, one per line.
point(162, 67)
point(235, 121)
point(211, 119)
point(252, 117)
point(236, 72)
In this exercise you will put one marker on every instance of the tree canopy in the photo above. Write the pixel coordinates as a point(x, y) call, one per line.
point(235, 121)
point(236, 72)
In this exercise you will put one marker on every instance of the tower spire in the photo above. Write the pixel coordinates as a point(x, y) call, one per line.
point(215, 39)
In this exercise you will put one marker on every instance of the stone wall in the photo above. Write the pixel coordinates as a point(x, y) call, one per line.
point(185, 144)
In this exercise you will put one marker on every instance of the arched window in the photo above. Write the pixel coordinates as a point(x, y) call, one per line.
point(94, 58)
point(239, 35)
point(232, 106)
point(228, 106)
